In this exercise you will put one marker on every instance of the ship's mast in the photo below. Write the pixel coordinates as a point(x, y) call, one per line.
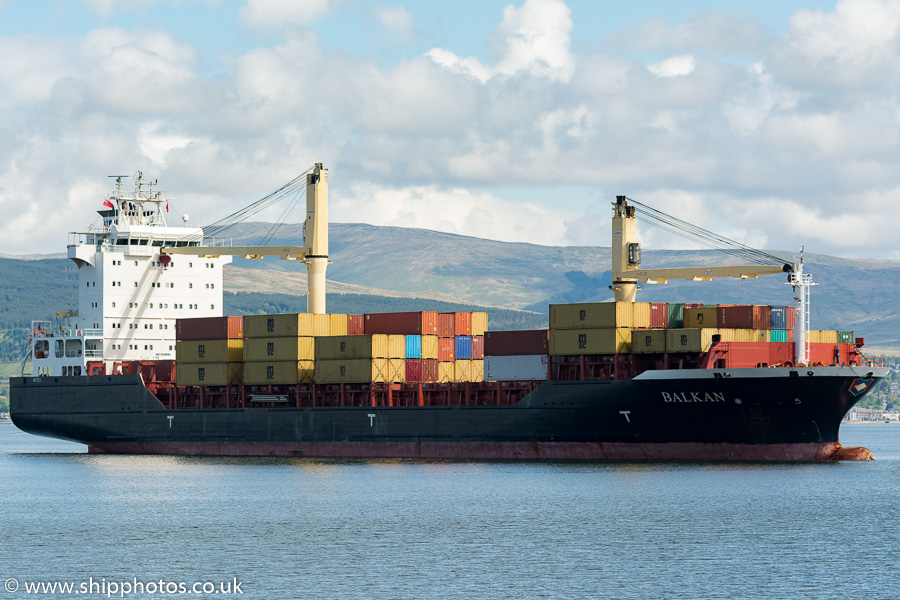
point(801, 282)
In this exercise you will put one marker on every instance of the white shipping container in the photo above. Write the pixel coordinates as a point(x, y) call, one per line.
point(526, 367)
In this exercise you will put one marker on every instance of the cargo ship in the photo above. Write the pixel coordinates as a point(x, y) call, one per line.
point(148, 364)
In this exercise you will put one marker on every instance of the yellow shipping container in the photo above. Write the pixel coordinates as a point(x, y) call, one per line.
point(822, 336)
point(479, 323)
point(575, 342)
point(219, 374)
point(462, 370)
point(361, 370)
point(359, 346)
point(701, 318)
point(284, 325)
point(279, 349)
point(282, 372)
point(209, 351)
point(321, 325)
point(648, 341)
point(594, 315)
point(641, 316)
point(446, 371)
point(338, 325)
point(430, 347)
point(695, 340)
point(477, 370)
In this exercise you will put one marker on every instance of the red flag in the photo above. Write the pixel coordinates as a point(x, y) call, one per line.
point(167, 206)
point(107, 203)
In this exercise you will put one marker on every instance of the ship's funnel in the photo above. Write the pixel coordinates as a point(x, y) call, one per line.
point(315, 233)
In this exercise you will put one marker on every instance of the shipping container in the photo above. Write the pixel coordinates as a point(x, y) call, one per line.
point(463, 347)
point(641, 315)
point(360, 370)
point(477, 347)
point(281, 325)
point(429, 370)
point(521, 367)
point(528, 342)
point(209, 328)
point(447, 349)
point(659, 315)
point(321, 325)
point(430, 347)
point(413, 370)
point(845, 337)
point(360, 346)
point(282, 372)
point(462, 370)
point(446, 325)
point(356, 325)
point(676, 316)
point(279, 349)
point(338, 325)
point(701, 318)
point(413, 347)
point(479, 323)
point(406, 323)
point(209, 351)
point(463, 323)
point(779, 335)
point(477, 370)
point(446, 370)
point(217, 374)
point(692, 340)
point(593, 315)
point(574, 342)
point(791, 318)
point(735, 317)
point(648, 341)
point(421, 370)
point(822, 337)
point(778, 317)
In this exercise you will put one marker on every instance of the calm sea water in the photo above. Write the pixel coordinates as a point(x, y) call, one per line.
point(336, 529)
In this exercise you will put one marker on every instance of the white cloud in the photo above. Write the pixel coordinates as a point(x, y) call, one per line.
point(275, 14)
point(453, 210)
point(534, 39)
point(105, 8)
point(396, 19)
point(673, 67)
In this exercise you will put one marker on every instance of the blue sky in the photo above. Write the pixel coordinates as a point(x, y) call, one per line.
point(776, 123)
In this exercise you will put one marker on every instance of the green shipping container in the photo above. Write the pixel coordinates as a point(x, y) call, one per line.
point(845, 337)
point(676, 316)
point(778, 335)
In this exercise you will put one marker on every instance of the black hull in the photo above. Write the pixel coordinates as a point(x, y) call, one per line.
point(746, 414)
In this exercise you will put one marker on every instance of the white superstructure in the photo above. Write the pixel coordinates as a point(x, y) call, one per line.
point(129, 294)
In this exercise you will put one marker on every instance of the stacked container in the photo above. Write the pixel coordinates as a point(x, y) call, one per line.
point(208, 351)
point(516, 355)
point(280, 349)
point(595, 328)
point(373, 358)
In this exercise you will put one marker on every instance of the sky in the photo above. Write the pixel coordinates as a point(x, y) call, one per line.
point(774, 123)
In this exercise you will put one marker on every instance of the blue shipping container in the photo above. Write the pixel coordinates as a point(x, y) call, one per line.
point(464, 347)
point(414, 346)
point(778, 318)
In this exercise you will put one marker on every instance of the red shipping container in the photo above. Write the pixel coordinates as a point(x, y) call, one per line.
point(209, 328)
point(692, 305)
point(413, 369)
point(446, 325)
point(761, 316)
point(165, 370)
point(429, 370)
point(791, 315)
point(463, 323)
point(356, 325)
point(736, 317)
point(659, 315)
point(407, 323)
point(517, 343)
point(477, 347)
point(446, 349)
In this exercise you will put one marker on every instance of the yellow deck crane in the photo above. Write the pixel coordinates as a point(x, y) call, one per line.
point(314, 252)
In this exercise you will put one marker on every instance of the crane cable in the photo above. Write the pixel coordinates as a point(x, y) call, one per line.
point(683, 229)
